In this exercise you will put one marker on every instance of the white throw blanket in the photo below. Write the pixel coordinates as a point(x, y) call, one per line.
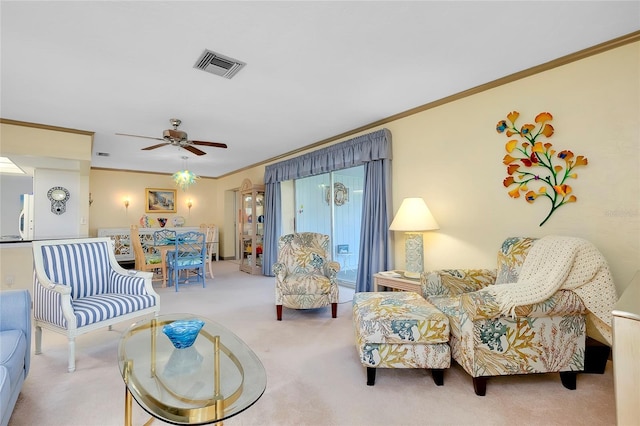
point(567, 263)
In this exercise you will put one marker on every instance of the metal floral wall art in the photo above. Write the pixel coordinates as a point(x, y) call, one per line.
point(534, 168)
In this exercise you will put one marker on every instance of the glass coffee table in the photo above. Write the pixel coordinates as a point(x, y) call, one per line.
point(216, 378)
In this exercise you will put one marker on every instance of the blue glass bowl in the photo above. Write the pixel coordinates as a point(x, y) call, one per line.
point(183, 333)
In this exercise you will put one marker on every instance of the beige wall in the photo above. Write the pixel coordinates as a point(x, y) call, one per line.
point(109, 189)
point(45, 141)
point(16, 266)
point(452, 157)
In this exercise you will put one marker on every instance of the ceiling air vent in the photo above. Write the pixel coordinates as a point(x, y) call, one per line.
point(218, 64)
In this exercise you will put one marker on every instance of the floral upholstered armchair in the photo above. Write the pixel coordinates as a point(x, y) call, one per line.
point(542, 337)
point(305, 275)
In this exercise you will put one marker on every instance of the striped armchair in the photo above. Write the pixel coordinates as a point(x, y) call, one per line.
point(79, 287)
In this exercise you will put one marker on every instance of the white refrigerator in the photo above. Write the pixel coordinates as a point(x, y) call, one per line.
point(25, 225)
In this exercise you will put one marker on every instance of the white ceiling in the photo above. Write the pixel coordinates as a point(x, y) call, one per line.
point(314, 69)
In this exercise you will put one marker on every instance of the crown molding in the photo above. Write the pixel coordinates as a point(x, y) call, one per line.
point(45, 127)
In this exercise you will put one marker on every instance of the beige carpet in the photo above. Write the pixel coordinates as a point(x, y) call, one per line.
point(313, 374)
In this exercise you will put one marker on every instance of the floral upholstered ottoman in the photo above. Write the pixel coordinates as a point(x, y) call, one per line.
point(400, 330)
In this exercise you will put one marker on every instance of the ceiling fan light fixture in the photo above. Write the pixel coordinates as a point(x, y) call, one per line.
point(184, 178)
point(174, 136)
point(177, 138)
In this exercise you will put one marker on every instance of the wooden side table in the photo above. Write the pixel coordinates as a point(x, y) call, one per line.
point(398, 283)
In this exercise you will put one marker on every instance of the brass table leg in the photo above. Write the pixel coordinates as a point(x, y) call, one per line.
point(127, 396)
point(216, 379)
point(153, 346)
point(128, 399)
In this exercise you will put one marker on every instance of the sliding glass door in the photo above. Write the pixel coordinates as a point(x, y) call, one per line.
point(331, 204)
point(313, 213)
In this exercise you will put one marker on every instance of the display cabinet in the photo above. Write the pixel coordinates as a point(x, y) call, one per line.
point(251, 227)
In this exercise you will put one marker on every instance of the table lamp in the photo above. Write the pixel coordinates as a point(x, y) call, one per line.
point(413, 217)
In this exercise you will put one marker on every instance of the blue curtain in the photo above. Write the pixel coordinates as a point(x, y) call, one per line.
point(377, 211)
point(372, 150)
point(273, 213)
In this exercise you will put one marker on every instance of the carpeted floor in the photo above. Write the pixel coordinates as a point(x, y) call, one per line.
point(314, 376)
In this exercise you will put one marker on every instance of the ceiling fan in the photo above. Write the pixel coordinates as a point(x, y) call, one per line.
point(178, 138)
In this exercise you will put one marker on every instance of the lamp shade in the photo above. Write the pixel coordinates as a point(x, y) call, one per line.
point(413, 216)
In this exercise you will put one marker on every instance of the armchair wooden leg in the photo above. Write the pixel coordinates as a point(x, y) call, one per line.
point(371, 376)
point(480, 385)
point(334, 310)
point(568, 379)
point(438, 376)
point(279, 312)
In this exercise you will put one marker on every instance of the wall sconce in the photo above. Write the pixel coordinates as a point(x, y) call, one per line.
point(90, 200)
point(413, 217)
point(189, 204)
point(126, 204)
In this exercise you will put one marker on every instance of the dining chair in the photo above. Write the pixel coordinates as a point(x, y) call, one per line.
point(144, 260)
point(164, 237)
point(189, 255)
point(163, 241)
point(211, 238)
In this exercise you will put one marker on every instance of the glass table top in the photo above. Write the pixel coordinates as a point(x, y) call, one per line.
point(216, 378)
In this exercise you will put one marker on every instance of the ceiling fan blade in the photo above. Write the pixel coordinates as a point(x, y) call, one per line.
point(154, 146)
point(138, 136)
point(194, 150)
point(215, 144)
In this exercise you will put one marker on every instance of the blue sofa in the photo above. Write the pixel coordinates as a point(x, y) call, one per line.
point(15, 347)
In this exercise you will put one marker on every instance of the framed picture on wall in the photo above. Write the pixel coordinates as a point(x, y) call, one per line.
point(160, 200)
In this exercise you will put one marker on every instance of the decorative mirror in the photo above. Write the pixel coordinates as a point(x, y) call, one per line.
point(58, 196)
point(340, 194)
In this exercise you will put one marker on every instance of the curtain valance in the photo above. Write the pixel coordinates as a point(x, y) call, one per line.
point(353, 152)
